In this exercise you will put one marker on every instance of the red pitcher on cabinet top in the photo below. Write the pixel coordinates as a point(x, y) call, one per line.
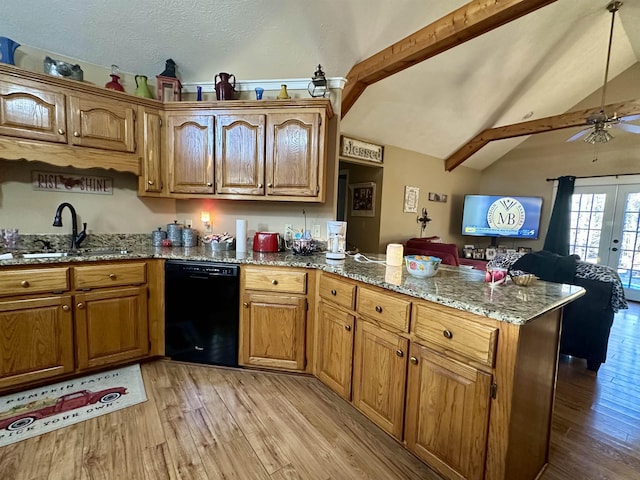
point(225, 86)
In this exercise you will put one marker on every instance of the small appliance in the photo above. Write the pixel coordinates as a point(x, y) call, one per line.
point(336, 240)
point(266, 242)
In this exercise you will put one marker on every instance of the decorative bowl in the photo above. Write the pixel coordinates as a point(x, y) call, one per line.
point(523, 280)
point(422, 265)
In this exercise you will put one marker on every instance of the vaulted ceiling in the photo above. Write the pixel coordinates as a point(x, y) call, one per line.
point(539, 65)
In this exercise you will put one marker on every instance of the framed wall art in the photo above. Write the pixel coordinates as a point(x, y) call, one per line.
point(411, 195)
point(363, 199)
point(437, 197)
point(361, 150)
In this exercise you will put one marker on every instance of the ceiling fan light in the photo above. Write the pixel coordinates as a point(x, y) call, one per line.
point(598, 136)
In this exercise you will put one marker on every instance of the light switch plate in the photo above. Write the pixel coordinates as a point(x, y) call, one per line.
point(315, 231)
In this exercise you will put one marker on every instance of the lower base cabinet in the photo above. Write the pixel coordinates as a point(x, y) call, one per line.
point(379, 375)
point(447, 415)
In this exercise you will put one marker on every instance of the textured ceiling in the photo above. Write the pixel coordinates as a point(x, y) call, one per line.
point(545, 62)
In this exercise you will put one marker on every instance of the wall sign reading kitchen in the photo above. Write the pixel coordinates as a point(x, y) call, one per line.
point(71, 183)
point(361, 150)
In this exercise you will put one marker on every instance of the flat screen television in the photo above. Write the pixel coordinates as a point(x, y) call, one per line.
point(501, 216)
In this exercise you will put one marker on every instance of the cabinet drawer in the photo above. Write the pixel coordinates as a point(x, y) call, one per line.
point(338, 291)
point(96, 276)
point(466, 337)
point(24, 282)
point(384, 308)
point(272, 280)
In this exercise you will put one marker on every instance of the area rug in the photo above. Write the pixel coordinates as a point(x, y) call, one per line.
point(40, 410)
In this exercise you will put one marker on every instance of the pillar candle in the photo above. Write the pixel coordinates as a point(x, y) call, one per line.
point(394, 254)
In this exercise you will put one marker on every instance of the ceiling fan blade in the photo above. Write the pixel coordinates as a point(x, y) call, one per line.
point(628, 128)
point(578, 135)
point(630, 118)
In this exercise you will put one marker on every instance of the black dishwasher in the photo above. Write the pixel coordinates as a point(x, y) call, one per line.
point(201, 312)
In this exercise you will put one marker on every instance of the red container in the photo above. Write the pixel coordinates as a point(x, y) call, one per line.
point(268, 242)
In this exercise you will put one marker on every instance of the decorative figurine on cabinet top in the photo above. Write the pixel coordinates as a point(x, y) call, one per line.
point(115, 84)
point(7, 49)
point(58, 68)
point(168, 81)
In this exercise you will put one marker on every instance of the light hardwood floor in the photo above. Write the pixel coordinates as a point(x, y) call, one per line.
point(212, 423)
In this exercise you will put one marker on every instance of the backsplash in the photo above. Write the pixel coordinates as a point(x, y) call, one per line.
point(93, 241)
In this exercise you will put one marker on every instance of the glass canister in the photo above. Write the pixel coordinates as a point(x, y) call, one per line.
point(174, 233)
point(189, 237)
point(157, 236)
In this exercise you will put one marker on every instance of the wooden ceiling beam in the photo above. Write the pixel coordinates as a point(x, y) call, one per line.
point(467, 22)
point(548, 124)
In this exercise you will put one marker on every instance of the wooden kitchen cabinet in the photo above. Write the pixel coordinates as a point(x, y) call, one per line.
point(152, 179)
point(240, 153)
point(190, 152)
point(273, 320)
point(335, 348)
point(379, 375)
point(447, 415)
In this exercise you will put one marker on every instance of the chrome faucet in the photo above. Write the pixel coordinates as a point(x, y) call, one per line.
point(76, 239)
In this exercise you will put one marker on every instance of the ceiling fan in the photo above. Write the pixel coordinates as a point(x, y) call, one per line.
point(601, 122)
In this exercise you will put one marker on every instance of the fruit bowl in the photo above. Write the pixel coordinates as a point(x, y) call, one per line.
point(523, 280)
point(422, 265)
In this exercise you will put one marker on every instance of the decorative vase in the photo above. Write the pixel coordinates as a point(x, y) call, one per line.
point(283, 95)
point(225, 88)
point(142, 88)
point(114, 84)
point(7, 49)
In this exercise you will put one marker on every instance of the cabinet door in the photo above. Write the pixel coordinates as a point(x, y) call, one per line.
point(36, 339)
point(240, 154)
point(111, 326)
point(32, 112)
point(272, 331)
point(335, 349)
point(447, 413)
point(379, 375)
point(151, 179)
point(190, 153)
point(292, 160)
point(103, 124)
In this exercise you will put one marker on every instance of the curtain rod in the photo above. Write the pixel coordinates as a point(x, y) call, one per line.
point(596, 176)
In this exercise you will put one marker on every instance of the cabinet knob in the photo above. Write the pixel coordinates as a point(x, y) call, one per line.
point(269, 185)
point(399, 353)
point(347, 328)
point(274, 282)
point(414, 360)
point(76, 134)
point(447, 334)
point(334, 293)
point(80, 306)
point(209, 184)
point(25, 284)
point(65, 308)
point(245, 304)
point(259, 185)
point(60, 131)
point(150, 182)
point(112, 276)
point(378, 309)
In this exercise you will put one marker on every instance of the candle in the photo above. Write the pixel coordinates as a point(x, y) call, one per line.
point(394, 254)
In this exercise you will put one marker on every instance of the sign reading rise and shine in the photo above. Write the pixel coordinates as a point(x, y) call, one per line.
point(67, 182)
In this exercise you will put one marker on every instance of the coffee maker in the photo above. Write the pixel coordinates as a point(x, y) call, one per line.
point(336, 240)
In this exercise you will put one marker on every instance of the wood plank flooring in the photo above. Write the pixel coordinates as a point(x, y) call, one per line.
point(214, 423)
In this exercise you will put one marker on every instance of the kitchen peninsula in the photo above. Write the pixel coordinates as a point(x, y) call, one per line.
point(461, 373)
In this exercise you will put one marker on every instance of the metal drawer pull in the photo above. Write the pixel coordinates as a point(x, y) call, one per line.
point(80, 306)
point(347, 328)
point(25, 284)
point(399, 353)
point(150, 182)
point(76, 134)
point(65, 308)
point(274, 282)
point(447, 333)
point(245, 305)
point(60, 131)
point(378, 309)
point(112, 276)
point(414, 360)
point(334, 293)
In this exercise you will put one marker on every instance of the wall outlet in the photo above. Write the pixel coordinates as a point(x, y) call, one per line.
point(315, 231)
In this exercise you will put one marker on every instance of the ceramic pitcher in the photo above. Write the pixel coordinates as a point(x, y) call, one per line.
point(7, 49)
point(142, 88)
point(225, 86)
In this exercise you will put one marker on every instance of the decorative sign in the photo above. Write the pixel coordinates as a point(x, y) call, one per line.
point(68, 182)
point(437, 197)
point(411, 195)
point(363, 199)
point(358, 149)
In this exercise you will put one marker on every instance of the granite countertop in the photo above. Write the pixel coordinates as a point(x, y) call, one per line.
point(456, 287)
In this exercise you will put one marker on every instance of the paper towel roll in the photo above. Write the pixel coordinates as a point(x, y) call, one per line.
point(241, 236)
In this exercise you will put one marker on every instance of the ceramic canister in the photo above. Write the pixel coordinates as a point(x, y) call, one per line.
point(189, 237)
point(174, 233)
point(157, 236)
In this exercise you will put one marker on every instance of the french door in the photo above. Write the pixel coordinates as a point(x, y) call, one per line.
point(605, 229)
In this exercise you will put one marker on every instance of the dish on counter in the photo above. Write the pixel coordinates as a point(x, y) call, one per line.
point(422, 265)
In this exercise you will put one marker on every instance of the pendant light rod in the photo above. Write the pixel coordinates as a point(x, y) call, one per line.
point(613, 7)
